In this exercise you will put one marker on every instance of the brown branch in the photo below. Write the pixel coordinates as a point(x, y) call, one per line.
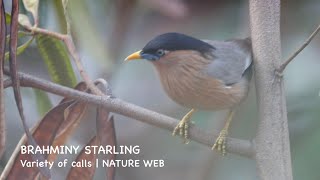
point(16, 83)
point(236, 146)
point(305, 44)
point(2, 57)
point(72, 50)
point(67, 39)
point(36, 30)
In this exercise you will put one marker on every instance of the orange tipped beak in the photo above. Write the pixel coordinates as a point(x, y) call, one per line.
point(133, 56)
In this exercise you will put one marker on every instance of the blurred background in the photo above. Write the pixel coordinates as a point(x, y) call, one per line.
point(106, 32)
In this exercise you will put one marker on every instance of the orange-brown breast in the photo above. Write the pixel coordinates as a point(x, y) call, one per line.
point(183, 76)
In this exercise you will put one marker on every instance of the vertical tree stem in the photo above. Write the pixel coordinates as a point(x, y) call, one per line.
point(272, 141)
point(2, 53)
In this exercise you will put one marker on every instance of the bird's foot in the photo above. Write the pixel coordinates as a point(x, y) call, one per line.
point(182, 128)
point(220, 144)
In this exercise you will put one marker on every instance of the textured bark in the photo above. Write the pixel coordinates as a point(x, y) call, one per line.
point(272, 141)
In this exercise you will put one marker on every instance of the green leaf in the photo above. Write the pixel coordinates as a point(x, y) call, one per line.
point(43, 102)
point(20, 35)
point(57, 60)
point(20, 49)
point(8, 18)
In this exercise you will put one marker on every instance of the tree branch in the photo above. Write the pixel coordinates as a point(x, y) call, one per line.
point(272, 141)
point(67, 39)
point(305, 44)
point(236, 146)
point(3, 132)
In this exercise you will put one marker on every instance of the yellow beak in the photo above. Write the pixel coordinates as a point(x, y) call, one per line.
point(133, 56)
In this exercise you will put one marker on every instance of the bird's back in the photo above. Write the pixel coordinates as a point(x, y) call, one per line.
point(231, 60)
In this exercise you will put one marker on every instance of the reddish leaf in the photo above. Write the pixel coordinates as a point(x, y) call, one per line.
point(73, 114)
point(84, 173)
point(107, 136)
point(82, 86)
point(44, 134)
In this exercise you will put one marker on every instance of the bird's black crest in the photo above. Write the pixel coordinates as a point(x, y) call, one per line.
point(176, 41)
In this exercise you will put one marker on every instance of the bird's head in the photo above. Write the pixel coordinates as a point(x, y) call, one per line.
point(160, 46)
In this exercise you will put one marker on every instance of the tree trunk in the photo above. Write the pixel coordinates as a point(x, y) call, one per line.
point(272, 141)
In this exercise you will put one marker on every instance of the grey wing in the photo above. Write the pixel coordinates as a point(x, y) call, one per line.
point(230, 60)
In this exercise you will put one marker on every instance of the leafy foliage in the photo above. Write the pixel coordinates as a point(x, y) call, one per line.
point(20, 49)
point(57, 60)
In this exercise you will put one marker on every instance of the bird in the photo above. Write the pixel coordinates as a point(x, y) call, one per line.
point(201, 75)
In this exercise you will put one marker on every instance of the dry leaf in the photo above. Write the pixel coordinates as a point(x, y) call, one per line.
point(44, 134)
point(84, 173)
point(107, 136)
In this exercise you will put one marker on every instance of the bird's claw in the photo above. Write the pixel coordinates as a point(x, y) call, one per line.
point(182, 127)
point(220, 143)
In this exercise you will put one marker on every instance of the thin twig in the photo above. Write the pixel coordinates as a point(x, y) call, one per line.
point(284, 65)
point(36, 30)
point(236, 146)
point(16, 84)
point(73, 52)
point(66, 15)
point(2, 53)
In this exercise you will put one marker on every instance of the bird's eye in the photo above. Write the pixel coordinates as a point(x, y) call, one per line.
point(160, 52)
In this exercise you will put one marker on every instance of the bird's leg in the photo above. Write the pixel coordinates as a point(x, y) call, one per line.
point(220, 143)
point(183, 126)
